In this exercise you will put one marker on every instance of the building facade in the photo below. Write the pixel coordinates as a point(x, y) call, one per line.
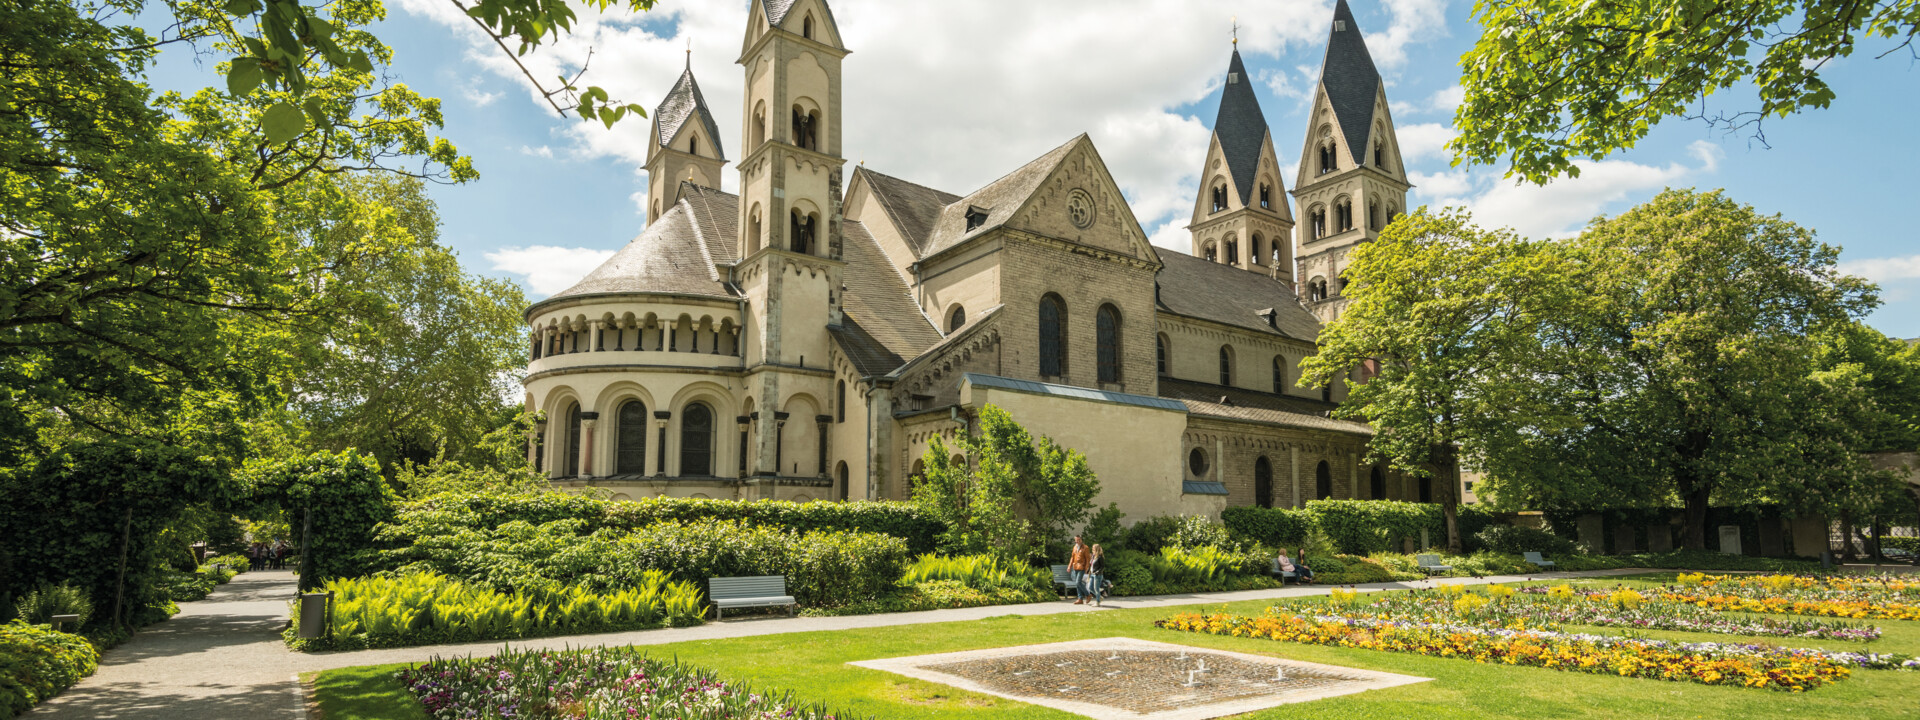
point(808, 338)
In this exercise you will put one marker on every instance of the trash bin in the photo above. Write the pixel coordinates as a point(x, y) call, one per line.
point(313, 614)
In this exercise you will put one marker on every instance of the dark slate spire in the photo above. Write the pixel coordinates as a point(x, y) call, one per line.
point(1240, 127)
point(684, 103)
point(1351, 81)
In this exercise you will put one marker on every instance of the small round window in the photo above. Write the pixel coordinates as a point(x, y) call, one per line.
point(1197, 462)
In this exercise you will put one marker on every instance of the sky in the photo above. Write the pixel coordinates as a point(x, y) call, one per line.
point(953, 95)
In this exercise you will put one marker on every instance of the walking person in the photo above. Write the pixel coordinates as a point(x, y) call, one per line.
point(279, 553)
point(1096, 571)
point(1077, 564)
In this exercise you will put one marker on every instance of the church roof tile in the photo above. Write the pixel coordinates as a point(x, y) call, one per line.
point(913, 208)
point(1228, 295)
point(1350, 80)
point(682, 104)
point(1241, 127)
point(1000, 199)
point(670, 256)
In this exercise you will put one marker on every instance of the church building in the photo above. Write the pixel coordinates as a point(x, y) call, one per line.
point(808, 337)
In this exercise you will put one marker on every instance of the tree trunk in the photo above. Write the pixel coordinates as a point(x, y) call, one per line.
point(1846, 538)
point(1694, 529)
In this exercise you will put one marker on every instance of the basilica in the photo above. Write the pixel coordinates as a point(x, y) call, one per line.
point(808, 337)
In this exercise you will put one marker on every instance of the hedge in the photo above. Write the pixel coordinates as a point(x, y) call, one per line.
point(822, 567)
point(1272, 527)
point(37, 663)
point(441, 513)
point(1356, 527)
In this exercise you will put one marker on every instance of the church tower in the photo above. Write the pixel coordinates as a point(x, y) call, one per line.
point(787, 263)
point(1351, 181)
point(1240, 217)
point(685, 148)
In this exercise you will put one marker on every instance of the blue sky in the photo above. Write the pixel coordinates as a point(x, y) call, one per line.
point(953, 95)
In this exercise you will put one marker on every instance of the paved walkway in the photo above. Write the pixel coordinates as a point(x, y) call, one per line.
point(222, 659)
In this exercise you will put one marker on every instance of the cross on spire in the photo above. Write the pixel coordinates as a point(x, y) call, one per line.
point(1236, 30)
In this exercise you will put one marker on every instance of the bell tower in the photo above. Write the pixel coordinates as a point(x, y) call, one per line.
point(685, 147)
point(1240, 217)
point(1351, 182)
point(787, 264)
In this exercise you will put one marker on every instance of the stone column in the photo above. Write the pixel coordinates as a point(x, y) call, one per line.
point(588, 419)
point(736, 342)
point(1293, 468)
point(599, 336)
point(823, 420)
point(879, 460)
point(779, 446)
point(660, 419)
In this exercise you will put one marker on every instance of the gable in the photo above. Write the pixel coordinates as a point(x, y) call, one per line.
point(1079, 202)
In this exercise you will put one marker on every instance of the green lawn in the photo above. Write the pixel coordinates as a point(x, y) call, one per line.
point(813, 664)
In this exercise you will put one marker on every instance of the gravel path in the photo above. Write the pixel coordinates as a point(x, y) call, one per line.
point(221, 658)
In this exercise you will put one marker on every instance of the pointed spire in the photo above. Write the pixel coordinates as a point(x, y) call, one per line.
point(1350, 80)
point(684, 103)
point(1241, 127)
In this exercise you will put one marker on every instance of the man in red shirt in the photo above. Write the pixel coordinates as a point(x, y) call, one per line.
point(1077, 564)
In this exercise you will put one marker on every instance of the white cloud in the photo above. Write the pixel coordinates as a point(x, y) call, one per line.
point(1447, 100)
point(542, 151)
point(1884, 270)
point(480, 98)
point(1424, 140)
point(955, 99)
point(547, 269)
point(1562, 207)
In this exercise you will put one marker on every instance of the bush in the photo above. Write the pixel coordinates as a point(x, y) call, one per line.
point(1353, 570)
point(1153, 533)
point(40, 604)
point(348, 500)
point(234, 561)
point(1105, 529)
point(980, 572)
point(822, 567)
point(1516, 540)
point(1198, 531)
point(37, 663)
point(1272, 527)
point(446, 514)
point(187, 587)
point(426, 608)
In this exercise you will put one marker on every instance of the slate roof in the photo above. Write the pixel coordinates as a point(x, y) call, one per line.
point(777, 12)
point(913, 208)
point(1351, 82)
point(684, 103)
point(1225, 294)
point(716, 217)
point(670, 256)
point(1203, 399)
point(1000, 198)
point(1240, 127)
point(886, 325)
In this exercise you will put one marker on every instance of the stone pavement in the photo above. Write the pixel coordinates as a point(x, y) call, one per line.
point(221, 658)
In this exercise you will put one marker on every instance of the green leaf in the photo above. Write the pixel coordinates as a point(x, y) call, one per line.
point(241, 8)
point(316, 112)
point(360, 62)
point(244, 76)
point(283, 122)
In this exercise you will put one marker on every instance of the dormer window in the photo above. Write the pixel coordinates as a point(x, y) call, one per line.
point(975, 218)
point(1339, 26)
point(1266, 197)
point(1232, 78)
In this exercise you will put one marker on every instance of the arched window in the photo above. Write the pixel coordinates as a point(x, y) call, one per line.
point(1373, 216)
point(1319, 222)
point(1263, 482)
point(1426, 489)
point(1323, 481)
point(630, 449)
point(800, 227)
point(1377, 484)
point(806, 128)
point(1107, 331)
point(1212, 254)
point(696, 440)
point(753, 230)
point(1256, 250)
point(1226, 365)
point(806, 26)
point(573, 440)
point(840, 402)
point(1219, 198)
point(759, 125)
point(1380, 155)
point(693, 144)
point(1266, 196)
point(1162, 349)
point(1329, 160)
point(1233, 252)
point(1279, 374)
point(1197, 462)
point(841, 478)
point(536, 345)
point(956, 319)
point(1053, 336)
point(1275, 251)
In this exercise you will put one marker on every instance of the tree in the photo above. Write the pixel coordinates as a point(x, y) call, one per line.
point(1684, 370)
point(330, 502)
point(1441, 308)
point(1009, 495)
point(418, 366)
point(1552, 81)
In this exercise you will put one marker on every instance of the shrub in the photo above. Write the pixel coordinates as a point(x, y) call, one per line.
point(426, 608)
point(40, 604)
point(1105, 529)
point(1516, 540)
point(234, 561)
point(980, 572)
point(1198, 531)
point(37, 663)
point(1272, 527)
point(1153, 533)
point(1353, 570)
point(447, 514)
point(347, 497)
point(187, 587)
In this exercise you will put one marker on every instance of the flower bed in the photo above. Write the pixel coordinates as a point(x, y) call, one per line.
point(1752, 666)
point(1859, 609)
point(424, 609)
point(1542, 606)
point(596, 683)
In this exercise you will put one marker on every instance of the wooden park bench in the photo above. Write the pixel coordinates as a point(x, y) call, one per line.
point(758, 591)
point(1534, 557)
point(1430, 564)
